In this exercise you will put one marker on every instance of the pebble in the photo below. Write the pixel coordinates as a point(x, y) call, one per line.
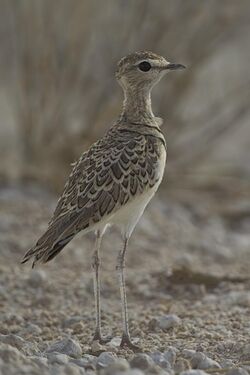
point(141, 361)
point(168, 321)
point(66, 346)
point(58, 358)
point(13, 340)
point(201, 361)
point(78, 327)
point(120, 365)
point(40, 361)
point(86, 364)
point(90, 358)
point(188, 353)
point(10, 354)
point(170, 355)
point(37, 278)
point(105, 359)
point(237, 371)
point(32, 329)
point(226, 363)
point(71, 369)
point(64, 370)
point(114, 342)
point(160, 360)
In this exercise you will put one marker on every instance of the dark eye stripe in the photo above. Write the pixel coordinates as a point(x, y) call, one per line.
point(144, 66)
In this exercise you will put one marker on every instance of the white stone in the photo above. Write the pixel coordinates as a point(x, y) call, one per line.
point(66, 346)
point(169, 321)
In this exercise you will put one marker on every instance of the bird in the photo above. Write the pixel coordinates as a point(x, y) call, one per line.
point(114, 180)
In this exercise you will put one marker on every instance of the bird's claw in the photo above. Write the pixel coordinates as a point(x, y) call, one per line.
point(126, 341)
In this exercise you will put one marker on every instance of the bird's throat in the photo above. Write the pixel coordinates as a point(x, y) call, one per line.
point(137, 106)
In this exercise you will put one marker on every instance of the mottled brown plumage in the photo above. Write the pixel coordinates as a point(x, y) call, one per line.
point(114, 180)
point(111, 173)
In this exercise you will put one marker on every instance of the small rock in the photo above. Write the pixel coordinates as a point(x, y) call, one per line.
point(78, 327)
point(87, 361)
point(105, 359)
point(193, 372)
point(81, 362)
point(13, 340)
point(160, 360)
point(40, 361)
point(71, 369)
point(32, 329)
point(37, 278)
point(90, 358)
point(59, 358)
point(170, 355)
point(116, 367)
point(10, 354)
point(226, 363)
point(237, 371)
point(188, 353)
point(201, 361)
point(114, 342)
point(66, 346)
point(142, 361)
point(169, 321)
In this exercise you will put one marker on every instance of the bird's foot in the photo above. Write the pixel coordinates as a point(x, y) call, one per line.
point(126, 341)
point(102, 339)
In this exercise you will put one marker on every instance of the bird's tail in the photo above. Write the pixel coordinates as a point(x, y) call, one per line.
point(48, 246)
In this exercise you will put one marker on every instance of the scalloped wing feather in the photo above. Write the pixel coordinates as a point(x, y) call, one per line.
point(114, 171)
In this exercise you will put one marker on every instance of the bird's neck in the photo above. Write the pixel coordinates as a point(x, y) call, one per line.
point(137, 106)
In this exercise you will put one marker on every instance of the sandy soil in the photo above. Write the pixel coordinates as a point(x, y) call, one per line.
point(188, 257)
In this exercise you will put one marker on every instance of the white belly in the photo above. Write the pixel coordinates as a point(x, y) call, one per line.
point(127, 217)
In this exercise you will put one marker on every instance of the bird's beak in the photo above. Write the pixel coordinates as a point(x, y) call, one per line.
point(171, 66)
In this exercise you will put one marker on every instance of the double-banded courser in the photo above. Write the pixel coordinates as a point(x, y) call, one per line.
point(115, 179)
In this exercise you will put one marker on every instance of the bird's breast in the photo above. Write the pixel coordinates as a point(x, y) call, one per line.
point(160, 166)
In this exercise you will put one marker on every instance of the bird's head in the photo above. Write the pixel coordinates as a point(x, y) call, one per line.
point(142, 70)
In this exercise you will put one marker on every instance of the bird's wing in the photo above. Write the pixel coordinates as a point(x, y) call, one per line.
point(113, 171)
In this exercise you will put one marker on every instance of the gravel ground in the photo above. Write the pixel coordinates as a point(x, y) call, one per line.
point(188, 290)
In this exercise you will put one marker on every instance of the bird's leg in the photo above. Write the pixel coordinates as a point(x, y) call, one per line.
point(126, 340)
point(95, 267)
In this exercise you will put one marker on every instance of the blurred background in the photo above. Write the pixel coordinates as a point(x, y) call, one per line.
point(58, 93)
point(189, 254)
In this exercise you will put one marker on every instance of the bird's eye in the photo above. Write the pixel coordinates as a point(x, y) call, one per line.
point(144, 66)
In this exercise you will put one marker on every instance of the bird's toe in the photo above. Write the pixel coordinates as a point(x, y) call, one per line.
point(126, 342)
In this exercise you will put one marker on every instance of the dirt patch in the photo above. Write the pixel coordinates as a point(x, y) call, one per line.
point(184, 263)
